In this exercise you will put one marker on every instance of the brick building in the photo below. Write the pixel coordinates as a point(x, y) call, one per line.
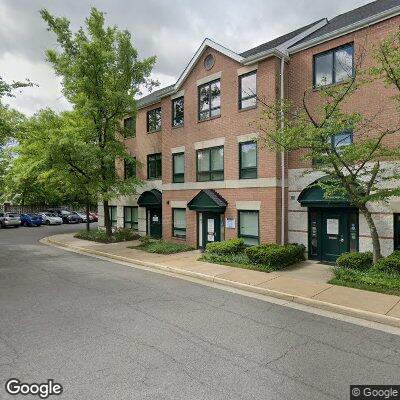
point(206, 179)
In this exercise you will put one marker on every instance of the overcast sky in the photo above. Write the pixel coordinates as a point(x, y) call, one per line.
point(170, 29)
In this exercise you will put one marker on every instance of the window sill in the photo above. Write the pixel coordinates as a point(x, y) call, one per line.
point(322, 87)
point(208, 119)
point(177, 126)
point(247, 108)
point(183, 239)
point(240, 178)
point(150, 132)
point(154, 179)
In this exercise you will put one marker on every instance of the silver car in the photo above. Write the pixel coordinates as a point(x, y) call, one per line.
point(9, 219)
point(51, 219)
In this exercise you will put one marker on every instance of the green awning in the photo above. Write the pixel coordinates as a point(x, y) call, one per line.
point(150, 198)
point(208, 200)
point(313, 196)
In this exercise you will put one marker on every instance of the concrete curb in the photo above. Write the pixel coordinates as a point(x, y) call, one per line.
point(351, 312)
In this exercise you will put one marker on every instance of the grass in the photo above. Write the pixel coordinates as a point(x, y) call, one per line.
point(373, 281)
point(238, 260)
point(161, 247)
point(99, 235)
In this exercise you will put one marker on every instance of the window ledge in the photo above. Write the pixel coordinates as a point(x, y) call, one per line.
point(322, 87)
point(178, 126)
point(208, 119)
point(247, 108)
point(179, 238)
point(150, 132)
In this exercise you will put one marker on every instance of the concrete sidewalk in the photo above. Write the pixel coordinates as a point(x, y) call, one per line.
point(303, 284)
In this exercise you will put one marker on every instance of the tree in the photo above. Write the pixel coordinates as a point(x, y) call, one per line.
point(320, 132)
point(101, 75)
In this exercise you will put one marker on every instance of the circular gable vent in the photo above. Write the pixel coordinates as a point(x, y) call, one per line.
point(209, 62)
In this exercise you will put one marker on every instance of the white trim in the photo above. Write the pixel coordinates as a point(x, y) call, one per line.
point(247, 137)
point(180, 149)
point(209, 78)
point(206, 43)
point(284, 46)
point(178, 204)
point(374, 19)
point(247, 69)
point(205, 144)
point(227, 184)
point(248, 205)
point(181, 93)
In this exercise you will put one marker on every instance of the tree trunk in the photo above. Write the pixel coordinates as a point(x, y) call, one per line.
point(107, 220)
point(376, 246)
point(87, 217)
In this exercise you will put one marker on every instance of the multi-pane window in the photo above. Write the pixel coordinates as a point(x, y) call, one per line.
point(342, 139)
point(154, 166)
point(129, 127)
point(129, 168)
point(334, 66)
point(248, 90)
point(210, 164)
point(179, 222)
point(131, 218)
point(248, 160)
point(209, 100)
point(154, 120)
point(113, 215)
point(248, 227)
point(178, 167)
point(397, 231)
point(178, 106)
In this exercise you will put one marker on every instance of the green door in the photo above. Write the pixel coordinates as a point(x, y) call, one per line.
point(211, 228)
point(155, 222)
point(334, 239)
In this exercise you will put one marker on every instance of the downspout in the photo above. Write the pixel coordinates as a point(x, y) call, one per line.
point(282, 122)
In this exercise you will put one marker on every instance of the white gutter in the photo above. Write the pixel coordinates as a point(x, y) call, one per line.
point(374, 19)
point(283, 213)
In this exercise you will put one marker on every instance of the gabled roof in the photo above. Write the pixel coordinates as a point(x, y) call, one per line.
point(350, 21)
point(282, 46)
point(207, 200)
point(279, 40)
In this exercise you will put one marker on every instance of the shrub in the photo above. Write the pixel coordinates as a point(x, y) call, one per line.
point(144, 240)
point(231, 246)
point(161, 247)
point(124, 234)
point(275, 256)
point(98, 235)
point(358, 261)
point(389, 264)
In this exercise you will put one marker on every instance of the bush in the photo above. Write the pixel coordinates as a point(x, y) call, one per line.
point(372, 280)
point(389, 264)
point(99, 235)
point(145, 240)
point(124, 234)
point(358, 261)
point(276, 256)
point(231, 246)
point(161, 247)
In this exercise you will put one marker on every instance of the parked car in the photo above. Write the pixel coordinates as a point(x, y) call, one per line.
point(9, 219)
point(51, 219)
point(69, 218)
point(81, 216)
point(31, 220)
point(95, 217)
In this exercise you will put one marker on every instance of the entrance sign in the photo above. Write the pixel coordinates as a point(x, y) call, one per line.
point(230, 223)
point(332, 226)
point(210, 225)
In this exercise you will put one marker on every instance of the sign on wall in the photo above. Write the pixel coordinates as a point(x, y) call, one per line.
point(230, 223)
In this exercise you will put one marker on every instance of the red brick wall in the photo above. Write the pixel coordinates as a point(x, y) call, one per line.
point(370, 100)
